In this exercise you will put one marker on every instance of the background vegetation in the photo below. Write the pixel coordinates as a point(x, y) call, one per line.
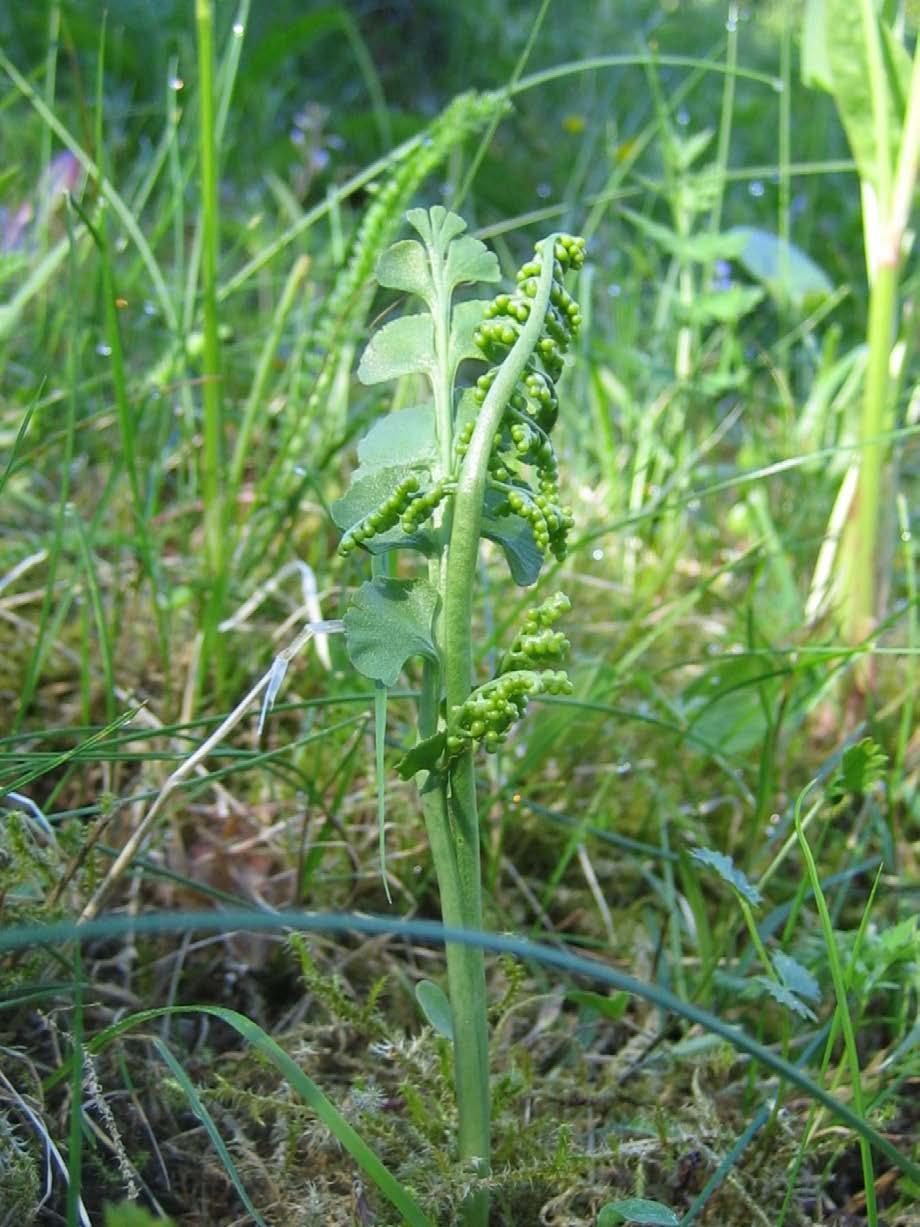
point(182, 304)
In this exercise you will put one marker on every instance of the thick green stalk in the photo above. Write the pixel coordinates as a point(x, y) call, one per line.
point(212, 452)
point(450, 802)
point(877, 418)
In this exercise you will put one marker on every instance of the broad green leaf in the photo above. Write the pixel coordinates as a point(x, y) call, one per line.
point(404, 266)
point(723, 306)
point(388, 622)
point(636, 1210)
point(852, 87)
point(469, 260)
point(797, 979)
point(610, 1007)
point(727, 870)
point(424, 756)
point(366, 492)
point(786, 997)
point(369, 488)
point(404, 437)
point(402, 347)
point(514, 537)
point(434, 1005)
point(784, 269)
point(465, 319)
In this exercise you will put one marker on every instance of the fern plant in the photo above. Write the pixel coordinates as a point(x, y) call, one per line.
point(435, 478)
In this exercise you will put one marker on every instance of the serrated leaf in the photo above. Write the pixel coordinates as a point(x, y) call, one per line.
point(784, 996)
point(610, 1007)
point(469, 260)
point(424, 756)
point(723, 306)
point(402, 347)
point(434, 1005)
point(860, 766)
point(727, 870)
point(388, 622)
point(797, 979)
point(404, 266)
point(636, 1210)
point(405, 437)
point(465, 319)
point(784, 269)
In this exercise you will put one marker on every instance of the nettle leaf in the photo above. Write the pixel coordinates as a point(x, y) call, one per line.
point(636, 1210)
point(797, 979)
point(785, 997)
point(435, 1006)
point(469, 260)
point(424, 756)
point(404, 437)
point(727, 870)
point(402, 347)
point(465, 319)
point(784, 269)
point(404, 266)
point(388, 622)
point(860, 766)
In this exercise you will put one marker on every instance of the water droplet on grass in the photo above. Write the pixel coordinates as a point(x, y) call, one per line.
point(104, 350)
point(176, 83)
point(683, 117)
point(597, 555)
point(238, 29)
point(544, 190)
point(756, 188)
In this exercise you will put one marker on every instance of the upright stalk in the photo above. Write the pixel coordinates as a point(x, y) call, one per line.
point(212, 452)
point(452, 814)
point(427, 486)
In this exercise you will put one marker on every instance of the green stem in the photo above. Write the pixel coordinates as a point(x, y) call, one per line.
point(877, 418)
point(212, 452)
point(450, 802)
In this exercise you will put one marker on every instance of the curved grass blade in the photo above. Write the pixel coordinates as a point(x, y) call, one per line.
point(210, 1128)
point(429, 931)
point(327, 1112)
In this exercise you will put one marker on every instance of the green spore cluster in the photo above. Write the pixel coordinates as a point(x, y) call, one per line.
point(491, 711)
point(385, 516)
point(531, 412)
